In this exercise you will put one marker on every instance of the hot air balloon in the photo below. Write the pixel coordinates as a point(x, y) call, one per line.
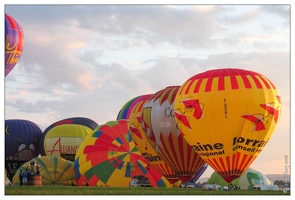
point(250, 178)
point(64, 140)
point(199, 173)
point(108, 157)
point(21, 143)
point(161, 130)
point(228, 116)
point(140, 140)
point(14, 42)
point(126, 109)
point(83, 121)
point(74, 120)
point(55, 171)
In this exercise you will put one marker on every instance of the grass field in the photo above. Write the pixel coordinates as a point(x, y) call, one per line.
point(74, 190)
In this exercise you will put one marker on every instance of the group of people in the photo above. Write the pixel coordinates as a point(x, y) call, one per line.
point(24, 175)
point(233, 187)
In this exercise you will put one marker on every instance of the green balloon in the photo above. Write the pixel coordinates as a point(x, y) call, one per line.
point(245, 182)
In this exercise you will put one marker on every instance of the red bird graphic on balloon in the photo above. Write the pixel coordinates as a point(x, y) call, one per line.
point(257, 120)
point(196, 105)
point(270, 108)
point(182, 118)
point(135, 130)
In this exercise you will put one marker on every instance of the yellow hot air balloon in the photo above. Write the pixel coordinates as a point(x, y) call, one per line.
point(140, 140)
point(64, 140)
point(228, 116)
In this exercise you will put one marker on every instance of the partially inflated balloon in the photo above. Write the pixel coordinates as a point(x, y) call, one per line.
point(108, 157)
point(55, 171)
point(14, 42)
point(228, 116)
point(246, 182)
point(140, 140)
point(161, 130)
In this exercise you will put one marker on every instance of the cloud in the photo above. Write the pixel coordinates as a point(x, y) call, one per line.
point(88, 61)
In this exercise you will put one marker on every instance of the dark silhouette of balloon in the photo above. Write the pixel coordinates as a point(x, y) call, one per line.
point(14, 42)
point(228, 116)
point(21, 143)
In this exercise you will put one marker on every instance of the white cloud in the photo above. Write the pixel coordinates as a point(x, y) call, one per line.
point(90, 60)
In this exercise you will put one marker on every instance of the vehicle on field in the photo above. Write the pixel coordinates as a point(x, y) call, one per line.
point(140, 181)
point(192, 185)
point(265, 187)
point(210, 187)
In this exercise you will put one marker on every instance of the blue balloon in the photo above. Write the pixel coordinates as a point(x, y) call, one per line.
point(198, 174)
point(22, 139)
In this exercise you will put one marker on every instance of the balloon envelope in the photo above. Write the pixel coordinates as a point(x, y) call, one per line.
point(199, 173)
point(126, 109)
point(228, 116)
point(14, 42)
point(72, 120)
point(161, 130)
point(21, 142)
point(54, 171)
point(140, 140)
point(108, 157)
point(64, 140)
point(250, 178)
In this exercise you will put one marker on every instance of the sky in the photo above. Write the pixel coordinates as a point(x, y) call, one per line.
point(89, 60)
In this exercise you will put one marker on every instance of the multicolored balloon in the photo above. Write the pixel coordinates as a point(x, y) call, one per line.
point(14, 42)
point(126, 109)
point(163, 135)
point(228, 116)
point(74, 120)
point(140, 140)
point(55, 171)
point(246, 182)
point(22, 138)
point(109, 157)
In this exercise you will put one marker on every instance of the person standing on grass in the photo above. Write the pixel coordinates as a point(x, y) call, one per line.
point(20, 177)
point(25, 177)
point(214, 186)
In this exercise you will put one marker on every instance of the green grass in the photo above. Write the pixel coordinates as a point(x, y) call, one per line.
point(75, 190)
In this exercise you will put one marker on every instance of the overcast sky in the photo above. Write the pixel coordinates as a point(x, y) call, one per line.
point(88, 61)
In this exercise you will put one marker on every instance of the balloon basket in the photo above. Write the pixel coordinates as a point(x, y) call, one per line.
point(35, 180)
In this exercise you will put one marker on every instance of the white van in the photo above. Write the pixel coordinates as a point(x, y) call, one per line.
point(265, 187)
point(210, 187)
